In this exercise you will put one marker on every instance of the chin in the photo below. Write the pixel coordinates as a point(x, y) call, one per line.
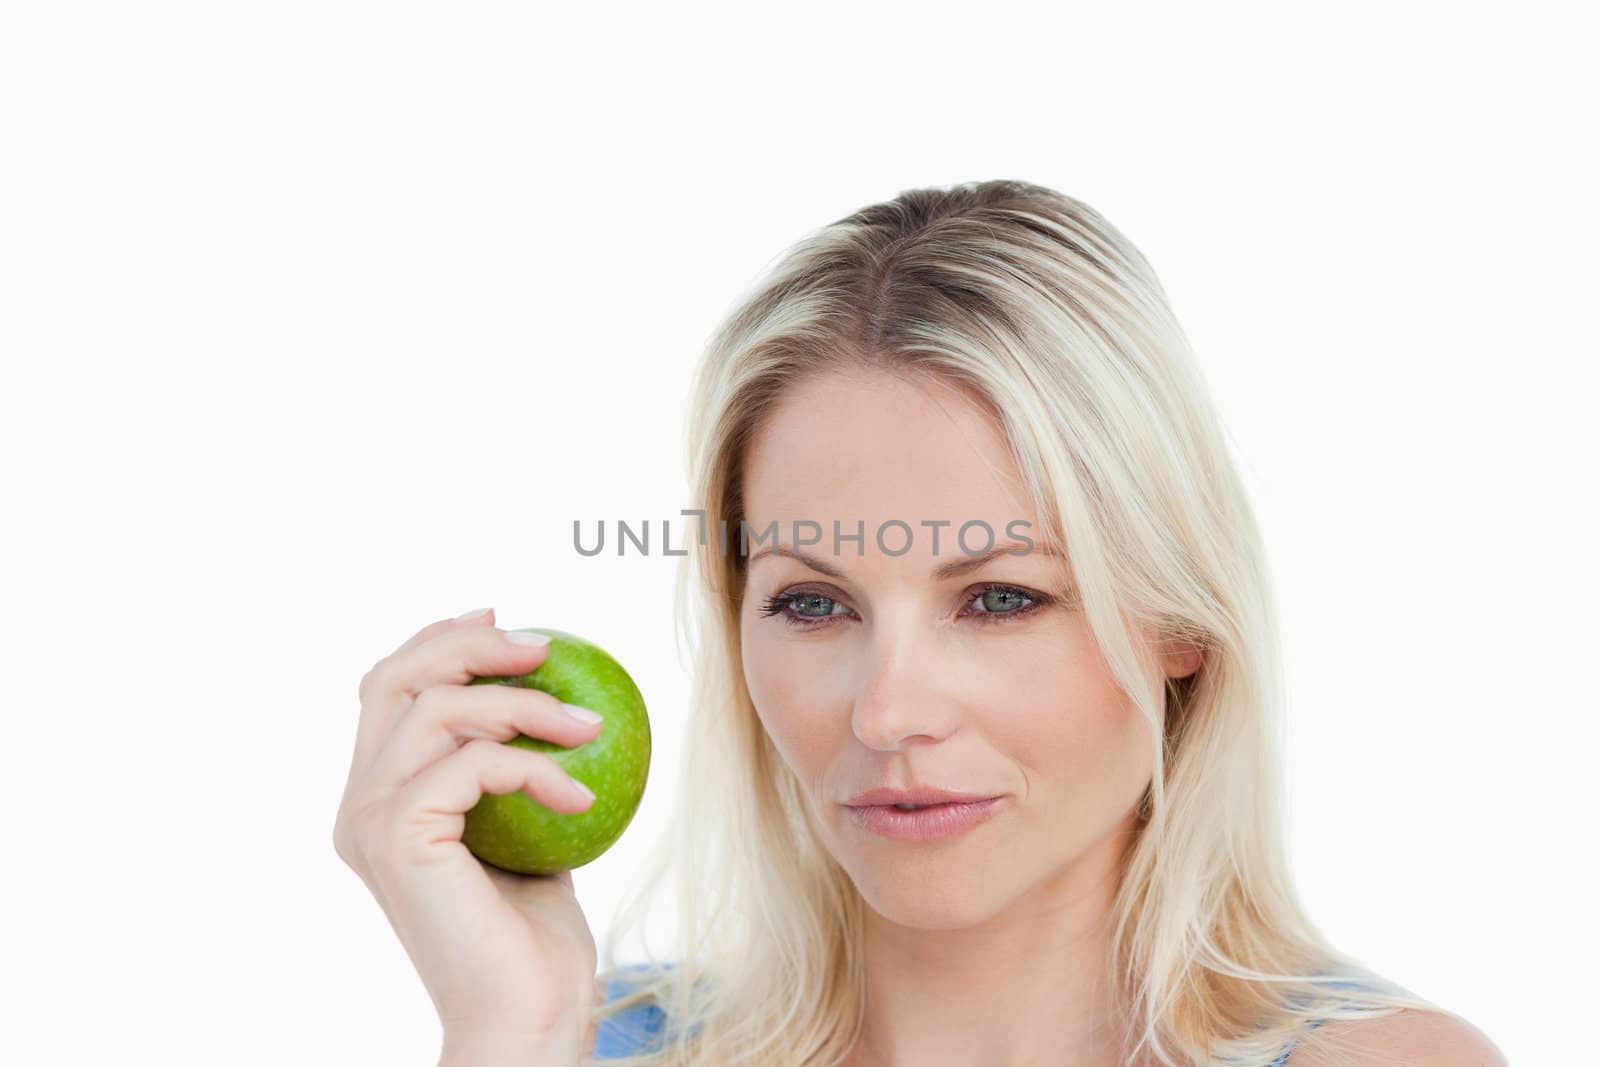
point(928, 894)
point(931, 907)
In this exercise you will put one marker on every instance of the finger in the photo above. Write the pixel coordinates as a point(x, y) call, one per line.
point(454, 656)
point(390, 686)
point(443, 717)
point(476, 617)
point(367, 690)
point(438, 798)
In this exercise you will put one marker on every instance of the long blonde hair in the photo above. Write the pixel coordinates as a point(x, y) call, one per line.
point(1033, 303)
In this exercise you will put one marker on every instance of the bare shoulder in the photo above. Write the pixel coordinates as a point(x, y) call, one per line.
point(1408, 1039)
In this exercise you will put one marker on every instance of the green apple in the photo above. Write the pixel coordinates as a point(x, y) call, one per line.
point(517, 833)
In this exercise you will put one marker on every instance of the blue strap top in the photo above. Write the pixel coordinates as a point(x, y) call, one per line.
point(1284, 1055)
point(628, 1033)
point(639, 1028)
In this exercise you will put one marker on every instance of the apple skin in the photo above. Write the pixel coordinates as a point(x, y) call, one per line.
point(513, 831)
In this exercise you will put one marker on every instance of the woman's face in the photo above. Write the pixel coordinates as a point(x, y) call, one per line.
point(889, 676)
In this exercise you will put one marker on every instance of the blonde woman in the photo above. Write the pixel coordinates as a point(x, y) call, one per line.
point(973, 542)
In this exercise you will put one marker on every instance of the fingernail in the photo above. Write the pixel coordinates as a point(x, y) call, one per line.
point(475, 613)
point(585, 790)
point(582, 714)
point(522, 637)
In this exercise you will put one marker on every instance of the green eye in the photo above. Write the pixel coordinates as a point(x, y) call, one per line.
point(808, 606)
point(998, 600)
point(806, 601)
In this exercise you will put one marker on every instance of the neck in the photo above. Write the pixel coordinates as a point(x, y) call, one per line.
point(1031, 986)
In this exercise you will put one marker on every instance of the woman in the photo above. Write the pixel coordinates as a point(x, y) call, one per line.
point(971, 526)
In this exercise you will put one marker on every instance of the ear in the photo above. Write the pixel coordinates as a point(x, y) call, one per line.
point(1182, 659)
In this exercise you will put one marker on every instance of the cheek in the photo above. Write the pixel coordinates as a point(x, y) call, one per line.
point(790, 697)
point(1082, 738)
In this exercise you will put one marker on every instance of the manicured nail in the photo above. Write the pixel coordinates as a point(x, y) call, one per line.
point(475, 613)
point(582, 714)
point(522, 637)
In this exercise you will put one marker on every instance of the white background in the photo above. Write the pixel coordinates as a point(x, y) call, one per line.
point(323, 320)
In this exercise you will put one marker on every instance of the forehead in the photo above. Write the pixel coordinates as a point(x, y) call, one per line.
point(876, 447)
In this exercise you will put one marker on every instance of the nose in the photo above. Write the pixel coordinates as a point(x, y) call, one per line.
point(904, 697)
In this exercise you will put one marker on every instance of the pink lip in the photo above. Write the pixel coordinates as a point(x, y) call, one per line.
point(916, 794)
point(929, 824)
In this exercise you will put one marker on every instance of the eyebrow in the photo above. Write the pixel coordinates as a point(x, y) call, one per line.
point(943, 572)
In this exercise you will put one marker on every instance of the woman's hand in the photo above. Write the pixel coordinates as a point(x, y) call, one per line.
point(504, 956)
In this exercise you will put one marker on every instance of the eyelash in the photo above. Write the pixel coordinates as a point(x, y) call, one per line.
point(778, 605)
